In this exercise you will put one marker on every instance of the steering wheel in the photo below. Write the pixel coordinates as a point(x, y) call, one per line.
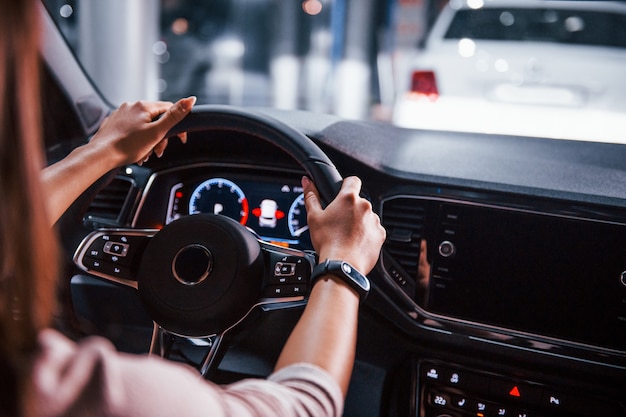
point(201, 275)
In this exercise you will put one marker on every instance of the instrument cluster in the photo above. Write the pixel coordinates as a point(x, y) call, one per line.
point(272, 208)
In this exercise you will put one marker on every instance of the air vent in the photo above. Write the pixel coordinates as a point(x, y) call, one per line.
point(403, 218)
point(108, 205)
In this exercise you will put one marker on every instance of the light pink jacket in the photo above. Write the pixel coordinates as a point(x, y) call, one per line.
point(92, 379)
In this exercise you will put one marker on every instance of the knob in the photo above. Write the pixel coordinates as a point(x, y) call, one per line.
point(447, 249)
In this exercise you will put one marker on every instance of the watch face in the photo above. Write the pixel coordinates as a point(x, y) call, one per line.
point(355, 276)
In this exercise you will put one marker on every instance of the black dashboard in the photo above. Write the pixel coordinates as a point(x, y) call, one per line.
point(497, 293)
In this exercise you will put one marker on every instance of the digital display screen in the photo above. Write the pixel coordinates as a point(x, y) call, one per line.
point(272, 209)
point(544, 274)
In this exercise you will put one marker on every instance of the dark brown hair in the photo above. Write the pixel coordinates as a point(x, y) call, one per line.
point(28, 249)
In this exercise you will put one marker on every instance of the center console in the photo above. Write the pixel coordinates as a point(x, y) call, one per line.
point(448, 390)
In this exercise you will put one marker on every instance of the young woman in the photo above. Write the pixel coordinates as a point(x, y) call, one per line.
point(45, 374)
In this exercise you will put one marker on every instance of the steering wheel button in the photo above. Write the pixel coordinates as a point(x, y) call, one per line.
point(274, 290)
point(92, 264)
point(298, 289)
point(116, 248)
point(284, 269)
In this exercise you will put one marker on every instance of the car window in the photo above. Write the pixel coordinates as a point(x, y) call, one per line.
point(284, 54)
point(556, 70)
point(538, 25)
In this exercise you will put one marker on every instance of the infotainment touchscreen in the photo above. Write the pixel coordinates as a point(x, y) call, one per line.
point(553, 275)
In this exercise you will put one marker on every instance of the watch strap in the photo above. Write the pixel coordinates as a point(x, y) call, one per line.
point(346, 272)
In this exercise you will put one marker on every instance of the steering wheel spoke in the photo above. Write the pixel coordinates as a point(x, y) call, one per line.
point(166, 345)
point(161, 343)
point(113, 254)
point(213, 356)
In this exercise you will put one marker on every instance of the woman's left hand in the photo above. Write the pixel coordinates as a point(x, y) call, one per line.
point(134, 131)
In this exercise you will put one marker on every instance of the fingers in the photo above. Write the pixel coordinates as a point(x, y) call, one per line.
point(174, 114)
point(311, 196)
point(160, 148)
point(170, 114)
point(351, 185)
point(155, 108)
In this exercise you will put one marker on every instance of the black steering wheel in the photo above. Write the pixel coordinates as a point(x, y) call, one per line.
point(201, 275)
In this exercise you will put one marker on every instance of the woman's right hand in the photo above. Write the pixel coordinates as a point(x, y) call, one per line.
point(347, 229)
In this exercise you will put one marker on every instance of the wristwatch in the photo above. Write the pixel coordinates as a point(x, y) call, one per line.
point(346, 272)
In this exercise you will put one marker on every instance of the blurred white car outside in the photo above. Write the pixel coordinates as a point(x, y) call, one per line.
point(522, 67)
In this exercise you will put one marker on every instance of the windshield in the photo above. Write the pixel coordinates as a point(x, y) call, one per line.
point(577, 27)
point(415, 64)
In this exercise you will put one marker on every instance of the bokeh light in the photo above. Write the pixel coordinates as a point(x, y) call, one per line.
point(312, 7)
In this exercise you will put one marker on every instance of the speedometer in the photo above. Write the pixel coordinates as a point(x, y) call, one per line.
point(220, 196)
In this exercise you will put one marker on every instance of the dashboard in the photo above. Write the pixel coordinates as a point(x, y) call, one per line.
point(494, 295)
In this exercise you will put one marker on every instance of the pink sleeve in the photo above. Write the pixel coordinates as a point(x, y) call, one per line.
point(92, 379)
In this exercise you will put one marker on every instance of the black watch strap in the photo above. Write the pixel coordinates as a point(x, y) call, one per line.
point(346, 272)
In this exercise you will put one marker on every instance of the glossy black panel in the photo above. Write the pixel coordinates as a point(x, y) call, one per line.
point(542, 274)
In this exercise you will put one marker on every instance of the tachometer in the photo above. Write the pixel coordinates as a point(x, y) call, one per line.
point(220, 196)
point(297, 217)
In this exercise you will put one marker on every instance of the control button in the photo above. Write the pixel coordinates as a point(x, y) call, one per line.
point(433, 373)
point(447, 249)
point(290, 270)
point(116, 248)
point(92, 264)
point(501, 410)
point(451, 376)
point(285, 290)
point(622, 279)
point(284, 269)
point(522, 392)
point(462, 402)
point(461, 378)
point(481, 407)
point(554, 400)
point(297, 289)
point(116, 271)
point(281, 280)
point(439, 399)
point(95, 250)
point(299, 278)
point(275, 290)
